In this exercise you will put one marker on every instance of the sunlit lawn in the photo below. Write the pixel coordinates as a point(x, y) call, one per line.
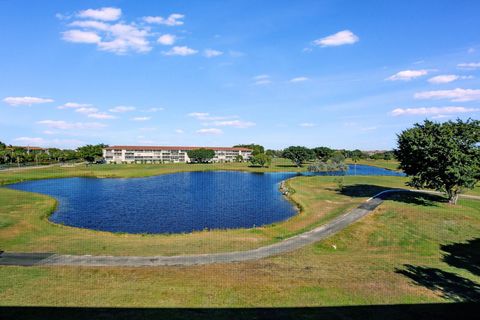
point(375, 260)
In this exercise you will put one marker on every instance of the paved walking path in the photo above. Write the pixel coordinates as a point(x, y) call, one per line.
point(287, 245)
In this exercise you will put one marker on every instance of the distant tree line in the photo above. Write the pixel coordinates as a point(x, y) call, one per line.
point(322, 157)
point(17, 155)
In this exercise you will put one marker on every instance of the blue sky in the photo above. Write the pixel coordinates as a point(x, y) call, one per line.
point(345, 74)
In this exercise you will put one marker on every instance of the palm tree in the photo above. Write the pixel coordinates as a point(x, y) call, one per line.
point(355, 159)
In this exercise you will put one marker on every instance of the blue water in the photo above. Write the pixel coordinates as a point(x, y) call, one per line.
point(173, 203)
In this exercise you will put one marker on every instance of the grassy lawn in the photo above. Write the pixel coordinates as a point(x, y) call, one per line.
point(388, 164)
point(395, 255)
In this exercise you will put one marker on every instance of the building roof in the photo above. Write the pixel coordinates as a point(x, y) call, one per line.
point(154, 148)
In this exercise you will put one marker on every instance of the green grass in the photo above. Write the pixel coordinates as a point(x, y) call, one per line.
point(363, 269)
point(387, 164)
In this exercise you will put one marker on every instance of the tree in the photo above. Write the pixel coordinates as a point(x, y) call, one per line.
point(273, 153)
point(338, 157)
point(441, 156)
point(238, 158)
point(201, 155)
point(355, 158)
point(323, 153)
point(91, 152)
point(2, 145)
point(320, 166)
point(297, 154)
point(261, 160)
point(256, 148)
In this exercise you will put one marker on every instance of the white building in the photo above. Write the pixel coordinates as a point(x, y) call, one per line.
point(166, 154)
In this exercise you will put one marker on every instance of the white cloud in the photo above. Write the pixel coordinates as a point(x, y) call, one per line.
point(470, 65)
point(457, 95)
point(79, 36)
point(166, 39)
point(25, 101)
point(64, 125)
point(174, 19)
point(205, 116)
point(74, 105)
point(262, 79)
point(407, 75)
point(307, 125)
point(90, 24)
point(120, 109)
point(179, 131)
point(198, 115)
point(180, 51)
point(126, 37)
point(220, 121)
point(104, 14)
point(141, 118)
point(38, 141)
point(101, 115)
point(119, 38)
point(338, 39)
point(233, 123)
point(210, 53)
point(431, 111)
point(299, 79)
point(30, 141)
point(86, 110)
point(154, 109)
point(447, 78)
point(213, 131)
point(471, 50)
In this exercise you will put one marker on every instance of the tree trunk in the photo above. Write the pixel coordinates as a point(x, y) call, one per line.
point(452, 196)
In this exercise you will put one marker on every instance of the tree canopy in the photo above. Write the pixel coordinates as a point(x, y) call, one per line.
point(261, 160)
point(441, 156)
point(298, 154)
point(323, 153)
point(201, 155)
point(91, 152)
point(256, 148)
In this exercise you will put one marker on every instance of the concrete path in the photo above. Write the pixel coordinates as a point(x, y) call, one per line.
point(284, 246)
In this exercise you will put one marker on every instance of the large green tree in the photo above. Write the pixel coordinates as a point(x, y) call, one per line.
point(256, 148)
point(201, 155)
point(441, 156)
point(323, 153)
point(261, 160)
point(298, 154)
point(91, 152)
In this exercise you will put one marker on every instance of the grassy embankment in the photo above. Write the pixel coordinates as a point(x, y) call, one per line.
point(374, 261)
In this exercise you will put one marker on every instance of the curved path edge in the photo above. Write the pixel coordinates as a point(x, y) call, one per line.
point(287, 245)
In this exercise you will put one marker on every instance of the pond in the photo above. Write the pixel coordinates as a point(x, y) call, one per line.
point(173, 203)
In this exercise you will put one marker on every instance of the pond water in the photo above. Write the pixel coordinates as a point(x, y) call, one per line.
point(173, 203)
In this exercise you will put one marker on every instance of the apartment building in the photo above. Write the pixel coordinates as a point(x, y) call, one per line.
point(168, 154)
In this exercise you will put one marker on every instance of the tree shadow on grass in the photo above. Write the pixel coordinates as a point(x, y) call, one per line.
point(411, 197)
point(449, 285)
point(427, 311)
point(464, 255)
point(286, 166)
